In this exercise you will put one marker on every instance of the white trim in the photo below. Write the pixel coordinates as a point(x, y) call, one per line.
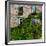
point(25, 41)
point(43, 22)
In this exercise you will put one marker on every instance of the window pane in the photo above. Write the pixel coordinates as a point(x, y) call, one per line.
point(20, 11)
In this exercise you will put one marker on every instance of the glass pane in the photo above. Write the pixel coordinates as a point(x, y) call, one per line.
point(33, 8)
point(20, 12)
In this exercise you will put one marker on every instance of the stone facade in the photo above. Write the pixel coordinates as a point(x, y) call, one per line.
point(27, 9)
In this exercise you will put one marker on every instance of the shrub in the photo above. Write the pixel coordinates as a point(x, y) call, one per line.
point(27, 30)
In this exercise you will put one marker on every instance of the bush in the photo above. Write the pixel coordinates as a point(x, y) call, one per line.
point(26, 31)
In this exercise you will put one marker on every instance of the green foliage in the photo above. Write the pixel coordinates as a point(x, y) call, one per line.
point(26, 30)
point(39, 16)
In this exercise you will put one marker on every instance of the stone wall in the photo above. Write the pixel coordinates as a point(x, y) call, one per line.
point(14, 21)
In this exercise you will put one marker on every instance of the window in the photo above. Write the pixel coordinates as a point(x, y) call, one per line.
point(30, 29)
point(20, 11)
point(33, 9)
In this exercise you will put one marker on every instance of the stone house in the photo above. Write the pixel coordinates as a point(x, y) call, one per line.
point(24, 10)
